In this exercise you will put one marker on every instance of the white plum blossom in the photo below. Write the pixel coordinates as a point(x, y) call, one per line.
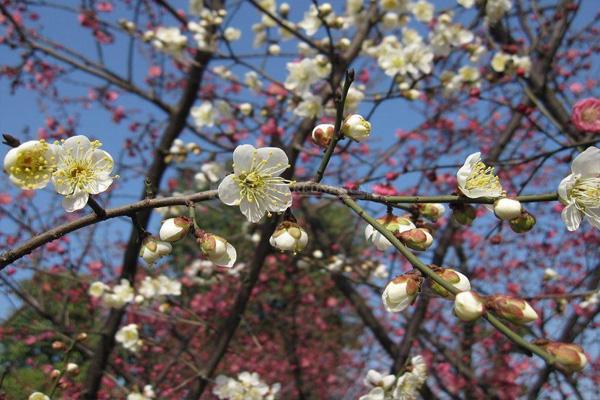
point(204, 115)
point(38, 396)
point(468, 306)
point(210, 172)
point(356, 127)
point(289, 236)
point(423, 10)
point(495, 9)
point(247, 386)
point(475, 179)
point(169, 40)
point(447, 35)
point(401, 292)
point(174, 229)
point(309, 107)
point(82, 169)
point(311, 22)
point(580, 191)
point(466, 3)
point(160, 286)
point(119, 295)
point(152, 249)
point(377, 379)
point(303, 74)
point(217, 249)
point(392, 223)
point(398, 6)
point(97, 289)
point(232, 34)
point(255, 185)
point(128, 337)
point(252, 81)
point(31, 164)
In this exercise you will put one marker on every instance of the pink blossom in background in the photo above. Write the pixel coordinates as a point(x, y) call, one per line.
point(586, 115)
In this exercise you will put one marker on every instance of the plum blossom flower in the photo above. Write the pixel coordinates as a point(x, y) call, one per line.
point(38, 396)
point(31, 164)
point(129, 338)
point(82, 169)
point(475, 179)
point(580, 191)
point(586, 115)
point(255, 185)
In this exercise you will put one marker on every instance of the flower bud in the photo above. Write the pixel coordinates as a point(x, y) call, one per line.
point(81, 337)
point(356, 128)
point(322, 135)
point(173, 229)
point(289, 236)
point(58, 345)
point(376, 379)
point(152, 249)
point(246, 108)
point(392, 223)
point(512, 309)
point(97, 289)
point(431, 211)
point(523, 223)
point(73, 368)
point(55, 374)
point(453, 277)
point(217, 249)
point(417, 239)
point(550, 274)
point(468, 306)
point(507, 209)
point(465, 214)
point(570, 357)
point(401, 292)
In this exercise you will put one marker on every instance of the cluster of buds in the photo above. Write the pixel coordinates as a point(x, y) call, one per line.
point(289, 236)
point(569, 357)
point(356, 127)
point(402, 291)
point(216, 249)
point(395, 224)
point(180, 150)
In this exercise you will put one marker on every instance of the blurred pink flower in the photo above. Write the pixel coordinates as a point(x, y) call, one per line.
point(586, 115)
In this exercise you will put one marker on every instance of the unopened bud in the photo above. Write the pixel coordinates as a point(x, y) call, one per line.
point(58, 345)
point(174, 229)
point(289, 236)
point(453, 277)
point(401, 292)
point(356, 127)
point(465, 214)
point(152, 249)
point(523, 223)
point(325, 9)
point(217, 249)
point(322, 135)
point(246, 109)
point(507, 209)
point(511, 309)
point(417, 239)
point(550, 274)
point(468, 306)
point(431, 211)
point(284, 9)
point(81, 337)
point(55, 374)
point(73, 368)
point(570, 357)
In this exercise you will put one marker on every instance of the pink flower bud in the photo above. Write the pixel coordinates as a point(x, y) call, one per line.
point(322, 135)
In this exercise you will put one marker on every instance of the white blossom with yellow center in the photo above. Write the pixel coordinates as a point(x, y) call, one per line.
point(475, 179)
point(580, 191)
point(31, 164)
point(255, 184)
point(82, 169)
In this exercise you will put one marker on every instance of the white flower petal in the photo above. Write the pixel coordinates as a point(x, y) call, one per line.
point(587, 164)
point(75, 202)
point(280, 197)
point(593, 216)
point(229, 191)
point(243, 157)
point(564, 186)
point(253, 211)
point(571, 217)
point(463, 173)
point(78, 145)
point(103, 161)
point(276, 160)
point(227, 259)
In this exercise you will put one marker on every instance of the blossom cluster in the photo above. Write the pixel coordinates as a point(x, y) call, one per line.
point(247, 385)
point(402, 387)
point(76, 166)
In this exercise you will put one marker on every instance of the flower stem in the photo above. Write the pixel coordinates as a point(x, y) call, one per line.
point(427, 271)
point(338, 125)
